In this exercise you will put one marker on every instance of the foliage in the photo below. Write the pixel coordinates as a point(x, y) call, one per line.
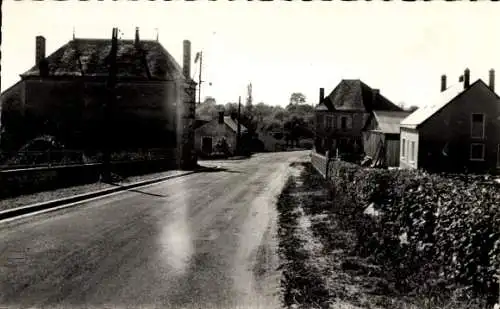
point(297, 98)
point(295, 121)
point(432, 233)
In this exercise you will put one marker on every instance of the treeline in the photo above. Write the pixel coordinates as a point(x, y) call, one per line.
point(295, 121)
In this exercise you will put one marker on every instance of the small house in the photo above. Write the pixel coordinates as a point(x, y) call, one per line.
point(209, 135)
point(458, 131)
point(381, 137)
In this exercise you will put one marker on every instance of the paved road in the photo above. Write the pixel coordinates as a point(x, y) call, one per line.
point(199, 241)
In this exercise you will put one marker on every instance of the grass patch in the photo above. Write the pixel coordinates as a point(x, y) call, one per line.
point(323, 263)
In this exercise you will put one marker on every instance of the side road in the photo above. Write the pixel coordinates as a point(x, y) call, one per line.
point(67, 197)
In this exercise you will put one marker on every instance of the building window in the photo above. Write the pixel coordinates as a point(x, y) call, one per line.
point(320, 119)
point(477, 125)
point(403, 148)
point(345, 122)
point(412, 153)
point(476, 152)
point(328, 122)
point(498, 155)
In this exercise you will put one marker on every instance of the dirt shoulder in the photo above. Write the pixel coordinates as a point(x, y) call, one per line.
point(318, 263)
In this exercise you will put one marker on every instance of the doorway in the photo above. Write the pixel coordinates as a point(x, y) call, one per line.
point(206, 144)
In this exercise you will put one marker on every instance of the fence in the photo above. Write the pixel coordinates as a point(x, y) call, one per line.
point(320, 163)
point(51, 158)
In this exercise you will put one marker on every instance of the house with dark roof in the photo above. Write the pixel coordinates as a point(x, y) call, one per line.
point(66, 95)
point(381, 137)
point(457, 131)
point(342, 115)
point(210, 134)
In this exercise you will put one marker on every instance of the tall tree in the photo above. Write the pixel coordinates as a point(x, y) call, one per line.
point(297, 98)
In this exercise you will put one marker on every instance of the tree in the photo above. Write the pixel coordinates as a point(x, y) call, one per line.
point(209, 100)
point(297, 98)
point(412, 108)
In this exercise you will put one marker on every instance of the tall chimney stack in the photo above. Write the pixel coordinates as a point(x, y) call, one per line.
point(321, 94)
point(40, 49)
point(466, 78)
point(443, 83)
point(137, 40)
point(492, 80)
point(375, 93)
point(221, 117)
point(186, 68)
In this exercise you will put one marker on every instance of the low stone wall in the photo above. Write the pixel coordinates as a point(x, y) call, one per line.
point(30, 180)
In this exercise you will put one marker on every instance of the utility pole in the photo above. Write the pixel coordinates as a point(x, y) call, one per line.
point(110, 85)
point(199, 78)
point(0, 64)
point(199, 55)
point(238, 138)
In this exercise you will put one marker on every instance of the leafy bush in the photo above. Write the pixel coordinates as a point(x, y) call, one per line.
point(431, 232)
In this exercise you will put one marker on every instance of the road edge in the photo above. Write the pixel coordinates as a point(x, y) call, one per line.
point(76, 199)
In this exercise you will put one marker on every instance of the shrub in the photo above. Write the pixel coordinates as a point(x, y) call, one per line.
point(431, 232)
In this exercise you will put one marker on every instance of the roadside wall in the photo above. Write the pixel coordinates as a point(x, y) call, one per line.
point(30, 180)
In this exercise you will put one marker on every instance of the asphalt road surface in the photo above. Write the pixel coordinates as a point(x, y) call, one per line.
point(205, 240)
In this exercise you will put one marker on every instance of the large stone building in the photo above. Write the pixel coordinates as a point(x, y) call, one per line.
point(66, 93)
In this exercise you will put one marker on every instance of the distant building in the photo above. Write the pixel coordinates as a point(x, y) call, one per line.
point(381, 136)
point(64, 94)
point(342, 115)
point(457, 131)
point(209, 134)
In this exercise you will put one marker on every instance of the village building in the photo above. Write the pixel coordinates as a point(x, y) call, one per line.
point(381, 137)
point(66, 95)
point(342, 115)
point(222, 129)
point(458, 131)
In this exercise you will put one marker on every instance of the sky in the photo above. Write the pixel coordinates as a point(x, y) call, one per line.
point(401, 48)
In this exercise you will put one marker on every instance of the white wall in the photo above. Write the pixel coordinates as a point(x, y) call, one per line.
point(409, 136)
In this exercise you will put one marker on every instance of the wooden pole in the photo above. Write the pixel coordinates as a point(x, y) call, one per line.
point(238, 137)
point(199, 78)
point(111, 84)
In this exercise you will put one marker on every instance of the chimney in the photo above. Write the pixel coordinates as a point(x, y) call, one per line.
point(186, 68)
point(443, 83)
point(492, 80)
point(321, 94)
point(137, 40)
point(221, 117)
point(375, 93)
point(40, 49)
point(466, 78)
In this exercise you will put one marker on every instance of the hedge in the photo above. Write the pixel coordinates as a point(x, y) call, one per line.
point(431, 232)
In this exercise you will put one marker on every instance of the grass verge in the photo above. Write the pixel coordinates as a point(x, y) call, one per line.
point(320, 264)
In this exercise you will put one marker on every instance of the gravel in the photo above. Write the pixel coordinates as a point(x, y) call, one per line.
point(45, 196)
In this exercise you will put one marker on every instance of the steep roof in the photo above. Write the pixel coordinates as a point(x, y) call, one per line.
point(354, 95)
point(88, 57)
point(234, 125)
point(389, 121)
point(422, 114)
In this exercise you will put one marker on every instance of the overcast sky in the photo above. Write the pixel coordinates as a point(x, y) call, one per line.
point(281, 47)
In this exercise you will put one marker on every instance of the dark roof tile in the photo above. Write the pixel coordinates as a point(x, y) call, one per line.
point(354, 95)
point(89, 57)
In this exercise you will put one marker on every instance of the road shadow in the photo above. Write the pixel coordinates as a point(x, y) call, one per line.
point(137, 191)
point(211, 169)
